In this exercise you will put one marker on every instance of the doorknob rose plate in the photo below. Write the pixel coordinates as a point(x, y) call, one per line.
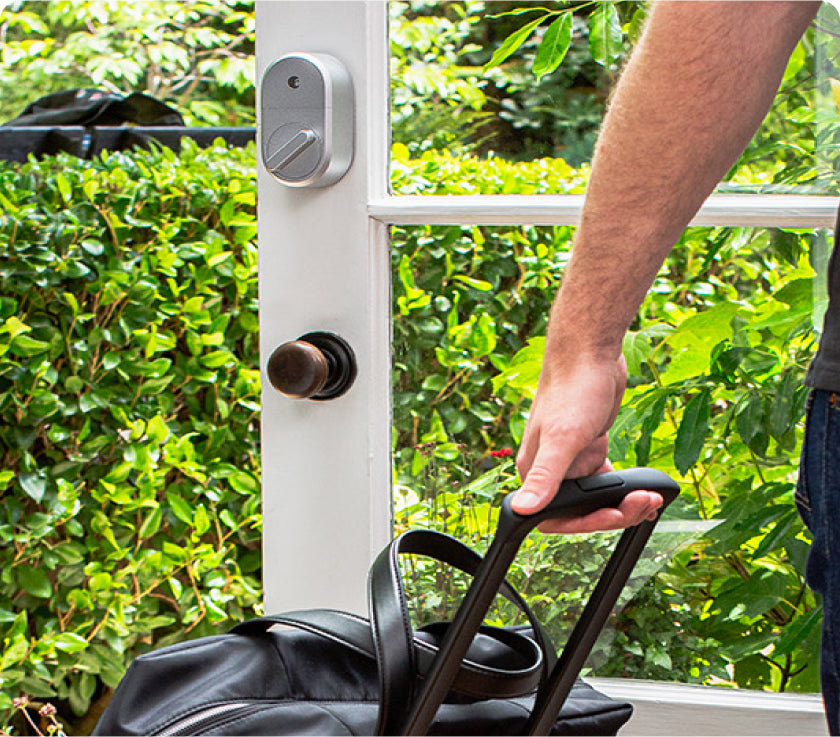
point(318, 365)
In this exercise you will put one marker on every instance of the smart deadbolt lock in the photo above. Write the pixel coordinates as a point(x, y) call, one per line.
point(307, 120)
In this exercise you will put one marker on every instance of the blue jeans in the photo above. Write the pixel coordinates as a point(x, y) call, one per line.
point(818, 501)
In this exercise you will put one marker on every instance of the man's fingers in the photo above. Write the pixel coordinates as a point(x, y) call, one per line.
point(635, 508)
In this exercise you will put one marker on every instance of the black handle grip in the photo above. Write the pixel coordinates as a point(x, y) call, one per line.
point(577, 497)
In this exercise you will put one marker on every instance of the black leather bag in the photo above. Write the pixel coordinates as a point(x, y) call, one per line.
point(83, 122)
point(92, 107)
point(328, 672)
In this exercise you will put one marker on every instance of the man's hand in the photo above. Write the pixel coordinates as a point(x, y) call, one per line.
point(566, 437)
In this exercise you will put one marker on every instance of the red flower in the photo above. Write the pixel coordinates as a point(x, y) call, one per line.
point(501, 453)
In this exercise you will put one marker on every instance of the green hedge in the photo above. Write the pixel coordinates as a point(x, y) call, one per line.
point(129, 392)
point(129, 413)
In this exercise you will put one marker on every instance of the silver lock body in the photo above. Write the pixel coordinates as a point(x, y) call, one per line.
point(307, 119)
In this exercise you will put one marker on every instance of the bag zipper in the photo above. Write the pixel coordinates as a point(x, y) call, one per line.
point(208, 717)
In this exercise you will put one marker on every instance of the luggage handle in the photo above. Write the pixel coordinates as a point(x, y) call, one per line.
point(574, 497)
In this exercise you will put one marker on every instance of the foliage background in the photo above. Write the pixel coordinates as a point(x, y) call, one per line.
point(197, 56)
point(717, 354)
point(129, 395)
point(129, 381)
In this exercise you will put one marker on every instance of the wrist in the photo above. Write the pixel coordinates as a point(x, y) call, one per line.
point(571, 345)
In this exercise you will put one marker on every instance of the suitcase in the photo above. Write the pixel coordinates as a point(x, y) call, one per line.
point(331, 672)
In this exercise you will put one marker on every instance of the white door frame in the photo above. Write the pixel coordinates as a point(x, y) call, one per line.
point(325, 265)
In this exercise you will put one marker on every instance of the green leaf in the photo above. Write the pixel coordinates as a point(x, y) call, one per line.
point(512, 43)
point(23, 345)
point(781, 410)
point(13, 326)
point(201, 522)
point(34, 581)
point(797, 632)
point(180, 508)
point(776, 537)
point(70, 642)
point(652, 418)
point(151, 524)
point(81, 690)
point(14, 653)
point(554, 45)
point(64, 188)
point(636, 25)
point(100, 581)
point(216, 359)
point(520, 11)
point(227, 213)
point(35, 686)
point(619, 440)
point(480, 284)
point(695, 339)
point(745, 646)
point(94, 248)
point(243, 482)
point(34, 485)
point(605, 35)
point(483, 338)
point(659, 657)
point(753, 597)
point(692, 432)
point(796, 62)
point(749, 417)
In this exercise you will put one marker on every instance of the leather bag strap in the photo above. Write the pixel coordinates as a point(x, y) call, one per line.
point(402, 654)
point(476, 679)
point(390, 622)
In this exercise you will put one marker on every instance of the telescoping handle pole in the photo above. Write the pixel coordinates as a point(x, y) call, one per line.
point(575, 497)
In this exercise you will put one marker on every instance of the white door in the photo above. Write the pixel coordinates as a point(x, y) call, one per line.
point(324, 266)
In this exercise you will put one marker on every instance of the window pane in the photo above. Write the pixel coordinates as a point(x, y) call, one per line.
point(715, 398)
point(449, 102)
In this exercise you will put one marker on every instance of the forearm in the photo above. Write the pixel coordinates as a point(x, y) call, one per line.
point(695, 90)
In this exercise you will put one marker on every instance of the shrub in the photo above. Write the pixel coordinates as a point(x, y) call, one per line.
point(716, 357)
point(129, 398)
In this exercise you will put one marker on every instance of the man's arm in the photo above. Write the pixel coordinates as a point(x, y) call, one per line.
point(694, 91)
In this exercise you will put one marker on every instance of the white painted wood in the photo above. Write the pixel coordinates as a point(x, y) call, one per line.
point(325, 266)
point(771, 210)
point(682, 709)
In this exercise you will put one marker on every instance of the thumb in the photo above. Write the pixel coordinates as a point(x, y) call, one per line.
point(543, 479)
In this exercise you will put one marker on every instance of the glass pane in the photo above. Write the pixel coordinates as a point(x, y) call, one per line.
point(451, 101)
point(827, 92)
point(715, 398)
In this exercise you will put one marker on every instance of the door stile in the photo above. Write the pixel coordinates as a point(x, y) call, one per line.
point(323, 266)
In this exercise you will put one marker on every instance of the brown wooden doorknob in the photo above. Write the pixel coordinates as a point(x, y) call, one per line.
point(317, 365)
point(298, 369)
